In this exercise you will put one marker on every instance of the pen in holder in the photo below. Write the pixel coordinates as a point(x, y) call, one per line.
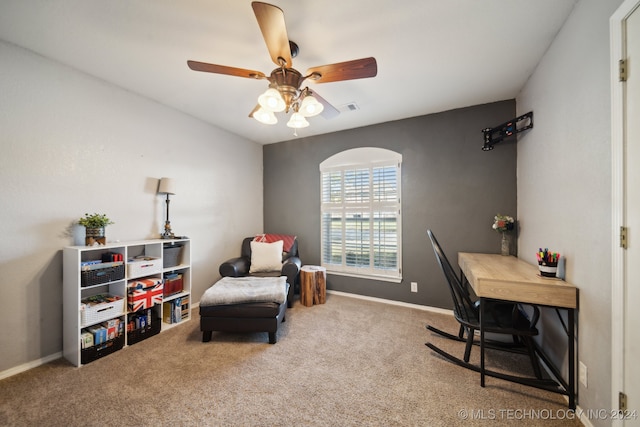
point(547, 262)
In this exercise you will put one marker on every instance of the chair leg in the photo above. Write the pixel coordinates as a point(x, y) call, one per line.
point(528, 341)
point(544, 384)
point(272, 338)
point(461, 332)
point(206, 336)
point(467, 348)
point(445, 334)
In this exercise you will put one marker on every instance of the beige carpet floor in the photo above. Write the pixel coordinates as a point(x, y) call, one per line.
point(349, 362)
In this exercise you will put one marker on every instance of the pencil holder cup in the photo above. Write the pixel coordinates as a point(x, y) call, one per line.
point(548, 269)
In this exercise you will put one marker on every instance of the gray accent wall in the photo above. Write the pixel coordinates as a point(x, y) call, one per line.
point(448, 185)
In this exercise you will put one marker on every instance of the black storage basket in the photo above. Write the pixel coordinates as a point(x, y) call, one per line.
point(101, 275)
point(138, 335)
point(97, 351)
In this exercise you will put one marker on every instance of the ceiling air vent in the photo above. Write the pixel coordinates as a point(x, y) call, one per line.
point(352, 106)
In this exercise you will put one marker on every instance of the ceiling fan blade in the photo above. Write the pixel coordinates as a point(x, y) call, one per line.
point(329, 111)
point(349, 70)
point(222, 69)
point(274, 31)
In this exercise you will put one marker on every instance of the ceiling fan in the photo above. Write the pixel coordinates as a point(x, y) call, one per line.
point(285, 92)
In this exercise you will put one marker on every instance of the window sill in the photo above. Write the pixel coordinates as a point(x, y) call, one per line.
point(365, 276)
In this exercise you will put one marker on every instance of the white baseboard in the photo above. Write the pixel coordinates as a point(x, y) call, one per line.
point(391, 302)
point(29, 365)
point(35, 363)
point(583, 416)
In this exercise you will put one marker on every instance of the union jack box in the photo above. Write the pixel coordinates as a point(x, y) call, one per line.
point(144, 293)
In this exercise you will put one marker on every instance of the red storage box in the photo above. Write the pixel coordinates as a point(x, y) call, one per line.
point(144, 293)
point(172, 284)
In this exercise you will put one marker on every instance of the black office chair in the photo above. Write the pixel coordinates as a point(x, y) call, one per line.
point(501, 317)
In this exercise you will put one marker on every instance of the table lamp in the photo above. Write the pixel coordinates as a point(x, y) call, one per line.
point(166, 187)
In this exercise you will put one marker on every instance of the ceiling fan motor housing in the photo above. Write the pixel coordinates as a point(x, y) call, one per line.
point(287, 81)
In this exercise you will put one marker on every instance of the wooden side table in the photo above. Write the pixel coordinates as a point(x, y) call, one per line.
point(313, 285)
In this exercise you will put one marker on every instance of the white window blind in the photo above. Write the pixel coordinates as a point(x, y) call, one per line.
point(361, 222)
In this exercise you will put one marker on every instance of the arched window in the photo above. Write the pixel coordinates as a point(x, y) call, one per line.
point(361, 222)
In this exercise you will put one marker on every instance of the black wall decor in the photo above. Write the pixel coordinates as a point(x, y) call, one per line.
point(494, 135)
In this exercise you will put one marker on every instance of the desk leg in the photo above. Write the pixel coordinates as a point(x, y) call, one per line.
point(572, 359)
point(481, 342)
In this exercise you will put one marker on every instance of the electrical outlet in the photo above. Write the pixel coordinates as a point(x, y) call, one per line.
point(582, 372)
point(414, 286)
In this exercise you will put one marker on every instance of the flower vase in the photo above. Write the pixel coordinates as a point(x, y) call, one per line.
point(504, 248)
point(95, 235)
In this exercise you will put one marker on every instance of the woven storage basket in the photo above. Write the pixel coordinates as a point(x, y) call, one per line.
point(97, 351)
point(101, 275)
point(138, 335)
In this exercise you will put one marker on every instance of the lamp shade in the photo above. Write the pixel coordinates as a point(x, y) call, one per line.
point(264, 116)
point(166, 186)
point(310, 106)
point(297, 121)
point(271, 100)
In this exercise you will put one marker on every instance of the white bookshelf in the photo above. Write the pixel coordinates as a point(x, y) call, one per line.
point(74, 291)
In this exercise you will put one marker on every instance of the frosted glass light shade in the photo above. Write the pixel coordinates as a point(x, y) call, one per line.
point(166, 186)
point(310, 106)
point(271, 100)
point(265, 117)
point(297, 121)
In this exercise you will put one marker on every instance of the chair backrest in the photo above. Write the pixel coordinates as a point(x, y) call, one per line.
point(246, 249)
point(463, 307)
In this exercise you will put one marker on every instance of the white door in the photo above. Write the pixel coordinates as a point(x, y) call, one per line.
point(625, 154)
point(632, 216)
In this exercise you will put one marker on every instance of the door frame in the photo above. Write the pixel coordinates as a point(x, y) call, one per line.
point(617, 28)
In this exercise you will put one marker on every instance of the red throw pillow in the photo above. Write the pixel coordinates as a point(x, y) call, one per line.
point(287, 240)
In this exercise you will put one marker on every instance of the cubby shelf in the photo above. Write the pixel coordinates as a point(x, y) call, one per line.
point(76, 288)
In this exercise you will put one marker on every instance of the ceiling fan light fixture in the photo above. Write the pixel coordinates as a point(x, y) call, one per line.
point(265, 117)
point(271, 100)
point(284, 92)
point(310, 106)
point(297, 121)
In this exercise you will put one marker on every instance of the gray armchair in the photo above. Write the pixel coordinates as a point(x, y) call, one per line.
point(240, 266)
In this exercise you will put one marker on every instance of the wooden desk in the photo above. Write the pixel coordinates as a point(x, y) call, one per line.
point(511, 279)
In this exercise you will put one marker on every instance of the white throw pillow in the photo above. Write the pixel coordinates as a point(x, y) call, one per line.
point(266, 256)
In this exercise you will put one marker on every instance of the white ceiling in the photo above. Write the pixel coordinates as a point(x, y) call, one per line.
point(433, 55)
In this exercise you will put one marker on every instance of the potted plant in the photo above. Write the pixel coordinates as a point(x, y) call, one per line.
point(94, 225)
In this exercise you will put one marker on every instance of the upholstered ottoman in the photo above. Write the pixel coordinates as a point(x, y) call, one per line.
point(244, 304)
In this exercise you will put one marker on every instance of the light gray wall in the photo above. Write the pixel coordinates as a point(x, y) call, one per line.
point(448, 184)
point(73, 144)
point(570, 148)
